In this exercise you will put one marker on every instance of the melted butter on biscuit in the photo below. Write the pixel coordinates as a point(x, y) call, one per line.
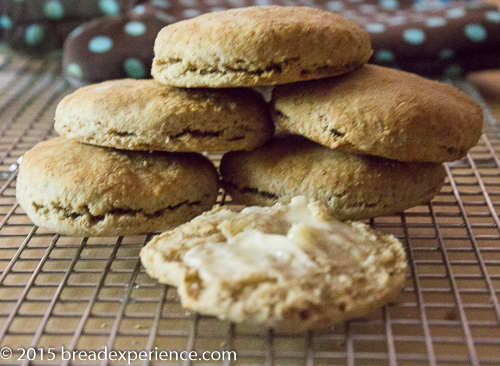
point(253, 255)
point(249, 255)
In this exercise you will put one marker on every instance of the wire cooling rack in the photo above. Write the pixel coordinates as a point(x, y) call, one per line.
point(84, 294)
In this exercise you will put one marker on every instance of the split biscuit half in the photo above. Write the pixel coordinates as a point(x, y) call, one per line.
point(290, 266)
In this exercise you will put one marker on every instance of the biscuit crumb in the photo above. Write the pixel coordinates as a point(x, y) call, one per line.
point(289, 266)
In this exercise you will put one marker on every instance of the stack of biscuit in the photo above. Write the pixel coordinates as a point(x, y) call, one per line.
point(372, 139)
point(130, 159)
point(358, 140)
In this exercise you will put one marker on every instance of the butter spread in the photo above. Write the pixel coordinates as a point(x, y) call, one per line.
point(252, 254)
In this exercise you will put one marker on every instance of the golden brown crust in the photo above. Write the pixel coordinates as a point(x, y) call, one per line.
point(353, 187)
point(384, 112)
point(144, 115)
point(262, 45)
point(79, 189)
point(351, 283)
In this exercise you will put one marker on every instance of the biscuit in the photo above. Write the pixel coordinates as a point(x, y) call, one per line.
point(384, 112)
point(144, 115)
point(290, 267)
point(85, 190)
point(261, 45)
point(353, 187)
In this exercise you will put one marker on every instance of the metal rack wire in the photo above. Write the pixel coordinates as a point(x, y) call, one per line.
point(88, 293)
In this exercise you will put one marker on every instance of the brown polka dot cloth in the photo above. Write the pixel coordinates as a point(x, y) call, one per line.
point(37, 26)
point(428, 37)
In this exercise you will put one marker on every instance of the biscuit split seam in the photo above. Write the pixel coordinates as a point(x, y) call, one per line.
point(84, 211)
point(274, 196)
point(268, 71)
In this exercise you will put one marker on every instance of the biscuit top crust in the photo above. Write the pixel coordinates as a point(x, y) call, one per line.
point(145, 102)
point(97, 180)
point(262, 39)
point(380, 111)
point(157, 113)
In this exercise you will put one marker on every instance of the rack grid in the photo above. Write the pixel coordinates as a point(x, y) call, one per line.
point(84, 294)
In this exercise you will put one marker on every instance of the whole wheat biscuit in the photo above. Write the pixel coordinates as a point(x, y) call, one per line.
point(261, 45)
point(384, 112)
point(144, 115)
point(85, 190)
point(290, 267)
point(353, 187)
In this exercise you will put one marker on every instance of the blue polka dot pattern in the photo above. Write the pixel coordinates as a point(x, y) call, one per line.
point(446, 54)
point(436, 22)
point(425, 41)
point(191, 13)
point(76, 32)
point(140, 9)
point(135, 28)
point(100, 44)
point(335, 5)
point(455, 13)
point(453, 71)
point(5, 22)
point(161, 3)
point(389, 4)
point(475, 32)
point(236, 3)
point(53, 9)
point(75, 70)
point(34, 34)
point(375, 28)
point(384, 56)
point(134, 68)
point(161, 15)
point(414, 36)
point(109, 7)
point(422, 6)
point(493, 16)
point(397, 20)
